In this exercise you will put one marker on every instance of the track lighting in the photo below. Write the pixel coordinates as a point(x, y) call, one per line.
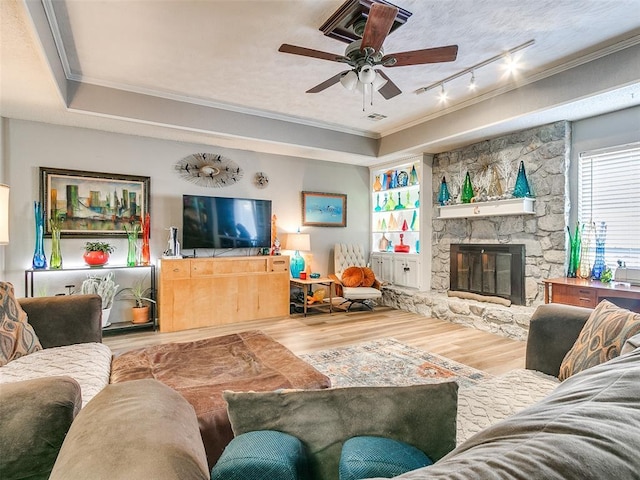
point(472, 82)
point(443, 95)
point(507, 56)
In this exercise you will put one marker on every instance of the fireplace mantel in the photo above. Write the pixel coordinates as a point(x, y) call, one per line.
point(510, 206)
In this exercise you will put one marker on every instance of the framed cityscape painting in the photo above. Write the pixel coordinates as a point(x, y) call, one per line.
point(91, 203)
point(324, 209)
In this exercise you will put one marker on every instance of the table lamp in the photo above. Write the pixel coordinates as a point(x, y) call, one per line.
point(298, 242)
point(4, 214)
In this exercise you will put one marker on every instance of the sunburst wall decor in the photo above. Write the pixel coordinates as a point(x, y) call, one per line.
point(209, 170)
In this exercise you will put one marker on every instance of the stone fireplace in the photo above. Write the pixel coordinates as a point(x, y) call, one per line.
point(491, 270)
point(545, 151)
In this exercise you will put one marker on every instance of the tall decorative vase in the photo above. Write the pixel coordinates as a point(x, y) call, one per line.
point(599, 265)
point(574, 252)
point(56, 254)
point(584, 269)
point(377, 185)
point(131, 249)
point(467, 190)
point(443, 196)
point(522, 188)
point(39, 259)
point(145, 225)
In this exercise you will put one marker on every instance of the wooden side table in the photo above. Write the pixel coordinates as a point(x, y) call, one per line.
point(309, 282)
point(589, 293)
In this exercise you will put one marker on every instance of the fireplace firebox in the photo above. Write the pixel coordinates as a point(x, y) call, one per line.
point(489, 269)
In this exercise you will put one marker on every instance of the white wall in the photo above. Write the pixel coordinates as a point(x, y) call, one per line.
point(30, 145)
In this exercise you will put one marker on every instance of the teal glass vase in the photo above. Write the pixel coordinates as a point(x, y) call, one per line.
point(522, 188)
point(297, 265)
point(599, 265)
point(467, 190)
point(443, 195)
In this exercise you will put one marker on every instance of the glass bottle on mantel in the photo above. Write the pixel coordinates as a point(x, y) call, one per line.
point(467, 190)
point(443, 196)
point(574, 252)
point(522, 188)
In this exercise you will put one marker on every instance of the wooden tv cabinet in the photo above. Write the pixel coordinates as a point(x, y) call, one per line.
point(588, 293)
point(203, 292)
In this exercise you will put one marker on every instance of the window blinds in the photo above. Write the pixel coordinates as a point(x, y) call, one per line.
point(609, 191)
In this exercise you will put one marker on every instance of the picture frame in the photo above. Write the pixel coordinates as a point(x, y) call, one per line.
point(324, 209)
point(92, 204)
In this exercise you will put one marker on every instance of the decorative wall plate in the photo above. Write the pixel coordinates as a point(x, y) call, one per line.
point(261, 180)
point(209, 170)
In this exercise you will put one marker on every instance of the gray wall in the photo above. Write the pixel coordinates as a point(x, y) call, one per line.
point(29, 145)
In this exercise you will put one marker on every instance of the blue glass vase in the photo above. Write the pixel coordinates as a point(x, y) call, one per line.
point(599, 265)
point(39, 259)
point(297, 265)
point(443, 196)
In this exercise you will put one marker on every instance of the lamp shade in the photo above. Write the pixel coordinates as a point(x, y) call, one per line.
point(298, 242)
point(4, 214)
point(349, 80)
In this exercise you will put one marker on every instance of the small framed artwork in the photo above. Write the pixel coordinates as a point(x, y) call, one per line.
point(324, 209)
point(91, 203)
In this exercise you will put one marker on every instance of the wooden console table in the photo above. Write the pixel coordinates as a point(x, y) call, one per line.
point(588, 293)
point(203, 292)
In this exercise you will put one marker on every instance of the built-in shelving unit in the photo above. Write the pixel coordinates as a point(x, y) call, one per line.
point(511, 206)
point(395, 223)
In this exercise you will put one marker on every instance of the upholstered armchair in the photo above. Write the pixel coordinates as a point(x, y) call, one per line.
point(354, 281)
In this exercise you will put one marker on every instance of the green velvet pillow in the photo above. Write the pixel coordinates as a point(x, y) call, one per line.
point(35, 416)
point(421, 415)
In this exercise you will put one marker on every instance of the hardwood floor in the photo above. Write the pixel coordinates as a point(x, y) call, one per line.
point(319, 331)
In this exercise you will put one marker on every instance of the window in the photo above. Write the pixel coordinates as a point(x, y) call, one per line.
point(609, 191)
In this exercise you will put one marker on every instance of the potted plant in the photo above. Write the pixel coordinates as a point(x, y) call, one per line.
point(97, 253)
point(104, 286)
point(140, 295)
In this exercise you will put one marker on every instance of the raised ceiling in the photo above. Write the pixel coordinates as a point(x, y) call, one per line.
point(212, 70)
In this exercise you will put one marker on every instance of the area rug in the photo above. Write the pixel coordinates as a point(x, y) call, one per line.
point(389, 362)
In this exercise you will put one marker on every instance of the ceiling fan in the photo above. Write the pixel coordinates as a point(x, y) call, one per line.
point(365, 54)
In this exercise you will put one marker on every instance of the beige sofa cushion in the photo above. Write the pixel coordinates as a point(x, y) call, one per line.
point(87, 363)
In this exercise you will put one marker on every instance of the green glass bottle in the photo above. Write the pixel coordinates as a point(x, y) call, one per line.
point(467, 190)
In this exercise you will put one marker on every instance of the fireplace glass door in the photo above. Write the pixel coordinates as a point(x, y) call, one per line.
point(496, 270)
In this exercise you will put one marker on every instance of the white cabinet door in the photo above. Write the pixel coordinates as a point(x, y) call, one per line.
point(382, 266)
point(406, 270)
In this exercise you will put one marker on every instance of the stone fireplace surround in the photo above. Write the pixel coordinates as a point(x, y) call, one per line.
point(545, 152)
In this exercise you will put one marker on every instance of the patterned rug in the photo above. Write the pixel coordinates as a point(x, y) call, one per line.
point(389, 362)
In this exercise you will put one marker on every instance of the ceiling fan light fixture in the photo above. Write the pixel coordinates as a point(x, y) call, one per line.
point(367, 74)
point(349, 80)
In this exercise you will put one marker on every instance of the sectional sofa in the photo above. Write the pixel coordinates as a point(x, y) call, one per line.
point(586, 427)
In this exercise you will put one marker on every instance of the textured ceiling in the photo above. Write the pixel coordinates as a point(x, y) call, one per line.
point(223, 53)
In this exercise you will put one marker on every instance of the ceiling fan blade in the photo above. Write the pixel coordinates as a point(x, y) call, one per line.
point(389, 89)
point(327, 83)
point(309, 52)
point(378, 26)
point(427, 55)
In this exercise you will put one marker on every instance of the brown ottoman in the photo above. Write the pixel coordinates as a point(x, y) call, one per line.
point(201, 370)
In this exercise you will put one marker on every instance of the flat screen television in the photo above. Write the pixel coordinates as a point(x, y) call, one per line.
point(221, 222)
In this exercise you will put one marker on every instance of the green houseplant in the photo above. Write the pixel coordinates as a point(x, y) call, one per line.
point(140, 294)
point(97, 253)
